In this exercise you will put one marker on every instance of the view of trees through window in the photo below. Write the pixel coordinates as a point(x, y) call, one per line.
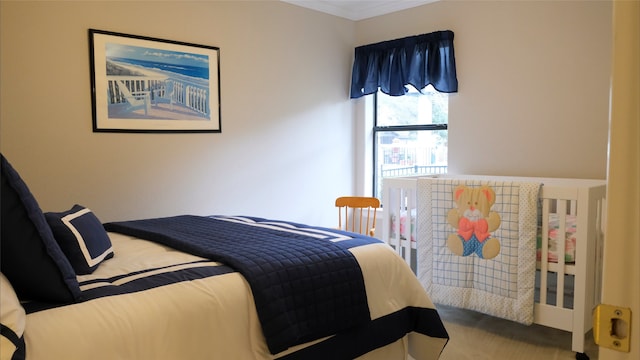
point(410, 135)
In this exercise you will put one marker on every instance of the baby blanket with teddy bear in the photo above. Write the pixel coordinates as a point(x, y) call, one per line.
point(477, 244)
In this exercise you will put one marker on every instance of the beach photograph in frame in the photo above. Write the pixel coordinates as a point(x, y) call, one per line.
point(144, 84)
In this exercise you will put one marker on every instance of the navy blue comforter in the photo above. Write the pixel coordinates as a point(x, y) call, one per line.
point(305, 282)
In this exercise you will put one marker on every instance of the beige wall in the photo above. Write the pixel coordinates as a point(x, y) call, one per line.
point(533, 100)
point(533, 79)
point(285, 150)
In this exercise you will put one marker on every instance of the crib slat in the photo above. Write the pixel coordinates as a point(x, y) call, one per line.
point(544, 250)
point(394, 209)
point(410, 203)
point(561, 238)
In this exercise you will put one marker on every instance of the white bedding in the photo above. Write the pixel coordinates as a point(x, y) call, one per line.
point(209, 318)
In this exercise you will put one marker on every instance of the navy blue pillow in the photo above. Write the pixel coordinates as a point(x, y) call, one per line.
point(81, 237)
point(29, 255)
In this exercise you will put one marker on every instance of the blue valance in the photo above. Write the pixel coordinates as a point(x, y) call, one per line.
point(419, 60)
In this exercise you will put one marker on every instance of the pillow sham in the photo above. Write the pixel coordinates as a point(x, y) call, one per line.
point(29, 255)
point(12, 322)
point(81, 237)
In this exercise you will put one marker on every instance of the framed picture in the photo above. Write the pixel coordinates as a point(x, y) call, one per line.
point(143, 84)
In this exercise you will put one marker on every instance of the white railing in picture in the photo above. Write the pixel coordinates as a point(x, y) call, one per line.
point(142, 91)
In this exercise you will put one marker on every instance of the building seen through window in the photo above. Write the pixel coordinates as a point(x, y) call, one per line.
point(410, 135)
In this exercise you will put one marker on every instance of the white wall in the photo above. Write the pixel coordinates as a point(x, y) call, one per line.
point(285, 150)
point(533, 79)
point(533, 100)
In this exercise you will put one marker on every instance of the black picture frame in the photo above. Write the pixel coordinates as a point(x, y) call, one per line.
point(145, 84)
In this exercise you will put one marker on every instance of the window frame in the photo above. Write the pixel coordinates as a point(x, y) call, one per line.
point(380, 129)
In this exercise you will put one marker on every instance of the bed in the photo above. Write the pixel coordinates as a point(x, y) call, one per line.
point(557, 276)
point(75, 288)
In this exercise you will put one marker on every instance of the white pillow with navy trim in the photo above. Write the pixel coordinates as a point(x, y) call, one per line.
point(81, 237)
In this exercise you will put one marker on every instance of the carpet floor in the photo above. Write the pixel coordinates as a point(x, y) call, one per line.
point(477, 336)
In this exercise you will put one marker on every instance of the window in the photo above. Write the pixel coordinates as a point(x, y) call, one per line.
point(409, 135)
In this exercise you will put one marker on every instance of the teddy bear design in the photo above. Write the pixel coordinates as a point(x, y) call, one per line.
point(474, 221)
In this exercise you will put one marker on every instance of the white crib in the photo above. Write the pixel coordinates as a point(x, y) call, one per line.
point(567, 291)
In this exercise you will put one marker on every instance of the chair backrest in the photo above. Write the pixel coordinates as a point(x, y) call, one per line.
point(353, 217)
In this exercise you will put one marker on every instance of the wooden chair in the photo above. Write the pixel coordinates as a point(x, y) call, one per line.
point(351, 214)
point(165, 94)
point(135, 99)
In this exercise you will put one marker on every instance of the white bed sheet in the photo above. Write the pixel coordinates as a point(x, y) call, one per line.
point(210, 318)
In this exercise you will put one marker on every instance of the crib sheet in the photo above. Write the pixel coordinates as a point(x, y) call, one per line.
point(555, 239)
point(403, 223)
